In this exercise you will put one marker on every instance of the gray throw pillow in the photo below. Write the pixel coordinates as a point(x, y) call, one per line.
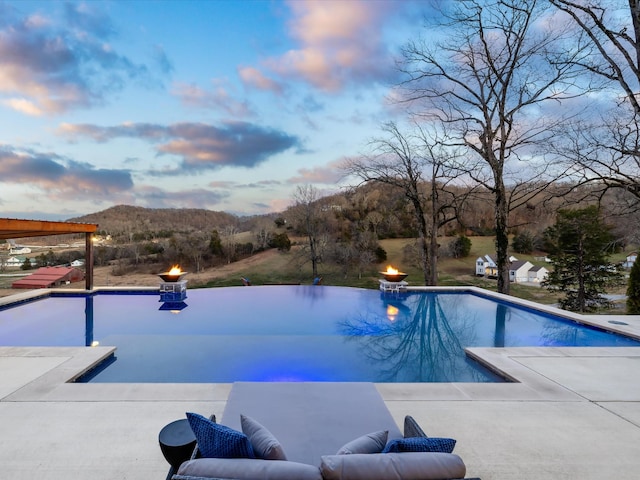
point(369, 443)
point(392, 466)
point(249, 469)
point(264, 444)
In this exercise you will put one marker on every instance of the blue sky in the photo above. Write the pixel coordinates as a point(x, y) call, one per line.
point(224, 105)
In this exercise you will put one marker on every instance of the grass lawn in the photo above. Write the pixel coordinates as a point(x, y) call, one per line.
point(293, 267)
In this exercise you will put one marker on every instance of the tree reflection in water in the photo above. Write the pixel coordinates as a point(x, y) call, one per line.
point(424, 346)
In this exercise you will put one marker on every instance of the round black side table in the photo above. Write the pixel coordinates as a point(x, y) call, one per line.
point(177, 442)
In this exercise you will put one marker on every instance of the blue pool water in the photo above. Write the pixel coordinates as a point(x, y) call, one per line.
point(291, 333)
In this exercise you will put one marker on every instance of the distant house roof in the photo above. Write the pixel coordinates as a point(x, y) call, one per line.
point(47, 277)
point(536, 268)
point(518, 264)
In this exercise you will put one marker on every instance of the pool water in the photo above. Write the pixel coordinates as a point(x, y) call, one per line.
point(291, 333)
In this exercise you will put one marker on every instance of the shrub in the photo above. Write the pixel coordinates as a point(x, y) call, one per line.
point(460, 247)
point(633, 290)
point(281, 242)
point(381, 254)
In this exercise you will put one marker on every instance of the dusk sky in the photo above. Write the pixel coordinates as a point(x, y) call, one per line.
point(223, 105)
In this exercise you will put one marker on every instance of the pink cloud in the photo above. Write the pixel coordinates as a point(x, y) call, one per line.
point(255, 78)
point(339, 42)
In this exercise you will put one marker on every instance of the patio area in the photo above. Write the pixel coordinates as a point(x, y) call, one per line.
point(574, 414)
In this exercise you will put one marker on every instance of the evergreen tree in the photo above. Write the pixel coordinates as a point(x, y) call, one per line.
point(215, 243)
point(523, 243)
point(633, 290)
point(579, 245)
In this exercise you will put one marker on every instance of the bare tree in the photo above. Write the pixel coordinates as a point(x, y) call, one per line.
point(309, 219)
point(194, 246)
point(400, 160)
point(488, 81)
point(229, 241)
point(607, 154)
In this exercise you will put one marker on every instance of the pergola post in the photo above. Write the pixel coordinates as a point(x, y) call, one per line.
point(88, 261)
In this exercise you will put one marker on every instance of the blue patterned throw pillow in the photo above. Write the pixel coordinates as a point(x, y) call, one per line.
point(420, 444)
point(217, 441)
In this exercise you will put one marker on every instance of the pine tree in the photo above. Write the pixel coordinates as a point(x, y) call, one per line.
point(579, 247)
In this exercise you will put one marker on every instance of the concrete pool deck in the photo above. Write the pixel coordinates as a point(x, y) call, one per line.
point(575, 414)
point(572, 413)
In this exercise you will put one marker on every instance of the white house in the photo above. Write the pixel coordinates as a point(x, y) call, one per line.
point(19, 251)
point(487, 267)
point(77, 263)
point(15, 261)
point(537, 274)
point(519, 270)
point(484, 265)
point(631, 259)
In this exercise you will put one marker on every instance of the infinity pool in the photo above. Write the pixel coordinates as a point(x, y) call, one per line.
point(290, 333)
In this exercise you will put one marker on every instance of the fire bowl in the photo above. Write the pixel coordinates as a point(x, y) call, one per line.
point(171, 277)
point(394, 277)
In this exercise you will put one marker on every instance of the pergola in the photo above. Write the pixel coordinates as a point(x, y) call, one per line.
point(13, 228)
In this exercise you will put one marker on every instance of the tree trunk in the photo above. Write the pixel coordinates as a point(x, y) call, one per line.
point(314, 258)
point(433, 244)
point(581, 300)
point(423, 234)
point(502, 238)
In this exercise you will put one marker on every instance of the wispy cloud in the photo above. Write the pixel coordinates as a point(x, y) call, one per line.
point(222, 184)
point(49, 69)
point(331, 173)
point(150, 196)
point(252, 77)
point(201, 146)
point(219, 98)
point(61, 177)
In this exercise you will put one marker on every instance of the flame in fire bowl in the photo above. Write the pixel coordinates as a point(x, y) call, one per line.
point(393, 275)
point(173, 275)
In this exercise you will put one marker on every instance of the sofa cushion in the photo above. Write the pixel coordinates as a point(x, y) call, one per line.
point(421, 444)
point(392, 466)
point(369, 443)
point(246, 468)
point(217, 441)
point(264, 444)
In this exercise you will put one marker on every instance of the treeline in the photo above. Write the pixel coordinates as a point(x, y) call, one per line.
point(126, 223)
point(349, 226)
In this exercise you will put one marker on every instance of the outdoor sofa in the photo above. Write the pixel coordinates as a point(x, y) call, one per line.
point(317, 431)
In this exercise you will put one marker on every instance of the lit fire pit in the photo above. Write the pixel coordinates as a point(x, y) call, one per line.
point(393, 275)
point(173, 275)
